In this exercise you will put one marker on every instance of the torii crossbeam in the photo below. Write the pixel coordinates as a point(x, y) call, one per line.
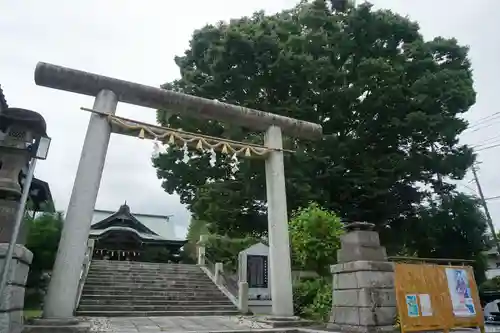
point(63, 288)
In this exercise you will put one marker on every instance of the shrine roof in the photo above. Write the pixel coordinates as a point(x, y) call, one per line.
point(147, 226)
point(142, 236)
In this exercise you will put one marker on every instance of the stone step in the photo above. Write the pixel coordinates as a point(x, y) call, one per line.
point(152, 286)
point(147, 267)
point(142, 272)
point(115, 262)
point(190, 282)
point(157, 313)
point(155, 297)
point(82, 328)
point(148, 292)
point(147, 275)
point(147, 289)
point(144, 266)
point(153, 308)
point(156, 302)
point(158, 284)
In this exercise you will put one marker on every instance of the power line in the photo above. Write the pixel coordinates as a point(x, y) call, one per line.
point(473, 190)
point(468, 187)
point(483, 119)
point(493, 198)
point(490, 123)
point(491, 140)
point(488, 147)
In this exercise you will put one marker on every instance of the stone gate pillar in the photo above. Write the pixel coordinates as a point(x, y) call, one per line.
point(63, 287)
point(364, 299)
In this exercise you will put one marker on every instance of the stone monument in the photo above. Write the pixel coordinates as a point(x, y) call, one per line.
point(19, 131)
point(364, 299)
point(254, 269)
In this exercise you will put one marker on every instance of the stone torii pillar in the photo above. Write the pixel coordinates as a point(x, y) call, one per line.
point(60, 301)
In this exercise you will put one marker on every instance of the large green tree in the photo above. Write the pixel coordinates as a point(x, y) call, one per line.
point(454, 227)
point(389, 103)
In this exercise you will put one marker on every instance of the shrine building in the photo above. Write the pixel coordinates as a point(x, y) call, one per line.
point(122, 235)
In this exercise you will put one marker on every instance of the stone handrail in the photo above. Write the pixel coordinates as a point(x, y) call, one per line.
point(237, 292)
point(85, 269)
point(238, 289)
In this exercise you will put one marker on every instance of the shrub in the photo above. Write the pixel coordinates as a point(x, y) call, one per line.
point(315, 238)
point(491, 284)
point(313, 298)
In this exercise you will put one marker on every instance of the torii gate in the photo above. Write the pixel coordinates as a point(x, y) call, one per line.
point(62, 293)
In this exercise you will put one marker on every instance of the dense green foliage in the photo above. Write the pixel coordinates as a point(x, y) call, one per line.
point(312, 298)
point(225, 250)
point(315, 238)
point(389, 103)
point(43, 237)
point(454, 227)
point(195, 230)
point(491, 284)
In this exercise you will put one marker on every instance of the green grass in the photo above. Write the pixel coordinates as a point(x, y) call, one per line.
point(30, 314)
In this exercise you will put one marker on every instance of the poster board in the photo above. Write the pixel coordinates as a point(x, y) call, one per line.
point(434, 297)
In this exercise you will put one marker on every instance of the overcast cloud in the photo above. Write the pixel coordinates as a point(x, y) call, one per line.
point(137, 41)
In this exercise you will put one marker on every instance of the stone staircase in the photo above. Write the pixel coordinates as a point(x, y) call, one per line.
point(137, 289)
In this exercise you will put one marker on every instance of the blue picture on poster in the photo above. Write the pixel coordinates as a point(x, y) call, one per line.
point(461, 297)
point(412, 305)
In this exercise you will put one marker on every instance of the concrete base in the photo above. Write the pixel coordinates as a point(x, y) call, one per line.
point(12, 300)
point(362, 329)
point(279, 322)
point(364, 299)
point(259, 307)
point(72, 325)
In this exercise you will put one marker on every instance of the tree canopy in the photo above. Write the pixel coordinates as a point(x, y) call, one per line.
point(454, 227)
point(388, 100)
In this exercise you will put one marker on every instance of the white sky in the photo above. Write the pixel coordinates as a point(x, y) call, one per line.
point(137, 41)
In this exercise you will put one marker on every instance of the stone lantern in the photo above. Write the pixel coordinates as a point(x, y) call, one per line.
point(22, 137)
point(23, 140)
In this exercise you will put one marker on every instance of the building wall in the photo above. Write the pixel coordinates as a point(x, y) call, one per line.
point(158, 224)
point(493, 267)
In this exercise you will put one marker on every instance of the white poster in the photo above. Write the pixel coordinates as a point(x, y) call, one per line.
point(461, 298)
point(425, 305)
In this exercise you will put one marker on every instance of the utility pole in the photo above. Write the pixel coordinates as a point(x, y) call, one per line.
point(486, 211)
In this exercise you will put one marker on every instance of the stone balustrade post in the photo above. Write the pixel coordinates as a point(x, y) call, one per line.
point(218, 273)
point(243, 297)
point(201, 250)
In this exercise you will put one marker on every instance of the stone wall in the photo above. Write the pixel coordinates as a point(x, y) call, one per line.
point(12, 300)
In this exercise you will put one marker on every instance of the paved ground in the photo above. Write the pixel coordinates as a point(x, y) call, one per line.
point(196, 324)
point(172, 324)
